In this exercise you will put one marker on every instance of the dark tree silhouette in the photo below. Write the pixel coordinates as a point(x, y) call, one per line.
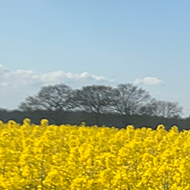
point(128, 100)
point(125, 102)
point(94, 99)
point(52, 98)
point(165, 109)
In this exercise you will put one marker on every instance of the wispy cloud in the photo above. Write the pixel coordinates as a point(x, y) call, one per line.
point(15, 86)
point(23, 78)
point(147, 81)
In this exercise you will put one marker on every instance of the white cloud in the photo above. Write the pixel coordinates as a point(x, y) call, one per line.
point(25, 78)
point(15, 86)
point(147, 81)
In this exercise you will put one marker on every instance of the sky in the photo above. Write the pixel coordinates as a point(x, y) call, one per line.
point(84, 42)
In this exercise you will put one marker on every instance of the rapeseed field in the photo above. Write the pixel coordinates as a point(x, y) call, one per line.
point(69, 157)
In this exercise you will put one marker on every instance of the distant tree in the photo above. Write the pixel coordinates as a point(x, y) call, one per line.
point(165, 109)
point(124, 100)
point(128, 100)
point(52, 98)
point(94, 99)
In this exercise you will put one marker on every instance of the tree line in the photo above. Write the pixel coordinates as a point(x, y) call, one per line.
point(124, 101)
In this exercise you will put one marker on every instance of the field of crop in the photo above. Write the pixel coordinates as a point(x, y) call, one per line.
point(69, 157)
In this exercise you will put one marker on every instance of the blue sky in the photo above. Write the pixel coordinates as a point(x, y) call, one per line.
point(95, 42)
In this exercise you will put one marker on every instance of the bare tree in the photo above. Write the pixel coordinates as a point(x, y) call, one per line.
point(52, 98)
point(129, 100)
point(165, 109)
point(95, 99)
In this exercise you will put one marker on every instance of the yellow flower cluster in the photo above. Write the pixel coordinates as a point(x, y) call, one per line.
point(69, 157)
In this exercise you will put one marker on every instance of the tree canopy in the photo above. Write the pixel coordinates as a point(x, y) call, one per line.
point(124, 100)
